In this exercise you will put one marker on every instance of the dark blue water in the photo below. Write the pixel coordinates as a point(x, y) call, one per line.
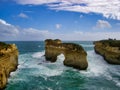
point(35, 73)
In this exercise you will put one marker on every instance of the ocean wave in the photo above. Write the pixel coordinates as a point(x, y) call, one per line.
point(99, 67)
point(38, 66)
point(34, 64)
point(38, 54)
point(96, 65)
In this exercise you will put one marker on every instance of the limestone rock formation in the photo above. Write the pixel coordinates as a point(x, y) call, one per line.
point(8, 62)
point(75, 56)
point(109, 49)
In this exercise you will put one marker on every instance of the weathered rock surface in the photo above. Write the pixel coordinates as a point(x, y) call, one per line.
point(109, 49)
point(8, 62)
point(75, 56)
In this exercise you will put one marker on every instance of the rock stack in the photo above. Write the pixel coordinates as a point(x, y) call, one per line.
point(75, 55)
point(109, 49)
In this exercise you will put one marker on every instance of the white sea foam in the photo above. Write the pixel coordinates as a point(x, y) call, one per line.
point(38, 54)
point(97, 65)
point(53, 69)
point(60, 58)
point(42, 68)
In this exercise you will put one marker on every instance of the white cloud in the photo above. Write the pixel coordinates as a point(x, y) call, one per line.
point(34, 34)
point(58, 26)
point(7, 29)
point(4, 22)
point(108, 8)
point(11, 32)
point(87, 36)
point(78, 32)
point(22, 15)
point(101, 24)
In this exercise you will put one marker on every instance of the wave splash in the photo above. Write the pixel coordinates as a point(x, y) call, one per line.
point(98, 67)
point(34, 64)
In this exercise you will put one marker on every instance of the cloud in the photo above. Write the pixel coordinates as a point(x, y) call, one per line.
point(102, 24)
point(34, 34)
point(10, 32)
point(7, 30)
point(108, 8)
point(78, 32)
point(58, 26)
point(22, 15)
point(88, 36)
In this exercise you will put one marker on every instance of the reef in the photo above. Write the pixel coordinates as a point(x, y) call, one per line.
point(75, 55)
point(8, 62)
point(109, 49)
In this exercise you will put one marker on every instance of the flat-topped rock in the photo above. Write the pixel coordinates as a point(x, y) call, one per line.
point(109, 49)
point(75, 55)
point(8, 62)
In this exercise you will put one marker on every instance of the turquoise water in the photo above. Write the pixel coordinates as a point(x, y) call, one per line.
point(35, 73)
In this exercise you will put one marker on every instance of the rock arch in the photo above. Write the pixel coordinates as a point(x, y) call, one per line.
point(75, 56)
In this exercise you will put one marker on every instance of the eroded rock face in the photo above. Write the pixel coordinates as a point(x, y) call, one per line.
point(75, 56)
point(8, 62)
point(109, 49)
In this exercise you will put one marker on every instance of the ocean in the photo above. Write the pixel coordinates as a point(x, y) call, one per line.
point(35, 73)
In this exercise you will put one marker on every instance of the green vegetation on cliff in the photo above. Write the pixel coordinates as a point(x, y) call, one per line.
point(112, 43)
point(4, 45)
point(73, 46)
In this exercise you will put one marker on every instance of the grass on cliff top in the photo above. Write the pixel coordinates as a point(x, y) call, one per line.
point(113, 43)
point(73, 46)
point(3, 45)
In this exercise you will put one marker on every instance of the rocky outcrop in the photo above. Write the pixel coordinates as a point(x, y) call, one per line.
point(109, 49)
point(8, 62)
point(75, 56)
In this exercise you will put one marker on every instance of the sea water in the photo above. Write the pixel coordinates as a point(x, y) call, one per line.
point(35, 73)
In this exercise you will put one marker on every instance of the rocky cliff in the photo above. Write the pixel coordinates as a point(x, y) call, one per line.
point(8, 62)
point(109, 49)
point(75, 56)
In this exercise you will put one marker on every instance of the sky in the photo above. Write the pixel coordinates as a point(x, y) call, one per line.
point(35, 20)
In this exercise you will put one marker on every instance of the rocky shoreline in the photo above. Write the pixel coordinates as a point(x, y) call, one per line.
point(109, 49)
point(8, 62)
point(75, 55)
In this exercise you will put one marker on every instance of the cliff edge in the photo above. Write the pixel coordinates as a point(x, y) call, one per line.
point(75, 56)
point(109, 49)
point(8, 62)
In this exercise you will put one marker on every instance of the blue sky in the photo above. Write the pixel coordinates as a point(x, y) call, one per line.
point(25, 20)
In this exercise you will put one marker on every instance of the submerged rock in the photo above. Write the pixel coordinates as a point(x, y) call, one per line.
point(75, 56)
point(109, 49)
point(8, 62)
